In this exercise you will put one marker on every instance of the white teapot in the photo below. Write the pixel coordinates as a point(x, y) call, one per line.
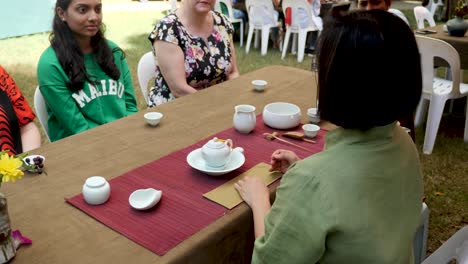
point(216, 152)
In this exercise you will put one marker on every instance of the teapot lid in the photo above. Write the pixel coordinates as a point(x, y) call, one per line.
point(215, 143)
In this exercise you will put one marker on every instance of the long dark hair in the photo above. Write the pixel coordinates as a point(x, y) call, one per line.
point(69, 53)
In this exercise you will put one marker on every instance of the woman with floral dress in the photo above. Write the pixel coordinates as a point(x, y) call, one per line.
point(194, 50)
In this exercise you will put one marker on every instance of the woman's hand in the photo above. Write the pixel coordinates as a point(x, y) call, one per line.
point(281, 160)
point(253, 191)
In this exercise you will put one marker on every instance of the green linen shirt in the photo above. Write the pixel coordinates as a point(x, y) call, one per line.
point(358, 201)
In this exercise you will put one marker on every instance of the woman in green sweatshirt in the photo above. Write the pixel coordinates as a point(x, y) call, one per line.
point(83, 77)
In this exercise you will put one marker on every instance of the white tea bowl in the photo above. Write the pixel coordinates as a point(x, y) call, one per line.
point(153, 118)
point(144, 199)
point(96, 190)
point(259, 85)
point(310, 130)
point(281, 115)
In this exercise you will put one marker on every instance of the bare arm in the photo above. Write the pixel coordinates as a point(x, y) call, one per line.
point(171, 62)
point(234, 70)
point(30, 136)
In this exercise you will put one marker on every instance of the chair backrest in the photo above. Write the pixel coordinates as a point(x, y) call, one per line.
point(420, 238)
point(223, 6)
point(41, 111)
point(146, 71)
point(399, 14)
point(455, 248)
point(257, 9)
point(294, 6)
point(430, 48)
point(421, 13)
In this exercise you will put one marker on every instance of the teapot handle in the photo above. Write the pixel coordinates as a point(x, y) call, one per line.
point(229, 143)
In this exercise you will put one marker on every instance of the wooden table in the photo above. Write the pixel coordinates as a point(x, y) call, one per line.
point(63, 234)
point(459, 43)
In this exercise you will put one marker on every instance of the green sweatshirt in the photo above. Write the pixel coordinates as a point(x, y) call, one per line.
point(96, 104)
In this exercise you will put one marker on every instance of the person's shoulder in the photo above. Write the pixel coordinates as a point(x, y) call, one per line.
point(48, 57)
point(112, 44)
point(220, 18)
point(168, 20)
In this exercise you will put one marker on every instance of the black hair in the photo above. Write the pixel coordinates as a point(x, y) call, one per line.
point(70, 55)
point(369, 69)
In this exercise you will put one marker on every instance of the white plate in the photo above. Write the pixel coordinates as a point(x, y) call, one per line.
point(31, 157)
point(195, 160)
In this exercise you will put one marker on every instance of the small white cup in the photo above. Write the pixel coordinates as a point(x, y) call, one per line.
point(153, 118)
point(96, 190)
point(259, 85)
point(310, 130)
point(314, 118)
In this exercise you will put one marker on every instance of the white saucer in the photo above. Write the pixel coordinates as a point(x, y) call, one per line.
point(195, 160)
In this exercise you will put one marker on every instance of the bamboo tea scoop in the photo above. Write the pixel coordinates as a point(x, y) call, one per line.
point(273, 136)
point(298, 136)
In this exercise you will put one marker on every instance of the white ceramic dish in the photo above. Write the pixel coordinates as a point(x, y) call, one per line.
point(281, 115)
point(144, 199)
point(236, 160)
point(310, 130)
point(31, 159)
point(153, 118)
point(259, 85)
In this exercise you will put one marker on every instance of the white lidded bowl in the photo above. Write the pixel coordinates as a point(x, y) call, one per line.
point(96, 190)
point(153, 118)
point(281, 115)
point(314, 117)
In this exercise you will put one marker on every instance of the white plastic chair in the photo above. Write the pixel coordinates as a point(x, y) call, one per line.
point(146, 71)
point(437, 90)
point(295, 27)
point(231, 17)
point(455, 248)
point(436, 7)
point(399, 14)
point(420, 239)
point(41, 111)
point(421, 13)
point(258, 22)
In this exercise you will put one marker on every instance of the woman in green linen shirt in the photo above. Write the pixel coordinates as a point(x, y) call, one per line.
point(359, 200)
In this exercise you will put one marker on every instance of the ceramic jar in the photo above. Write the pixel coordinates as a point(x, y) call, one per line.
point(96, 190)
point(457, 27)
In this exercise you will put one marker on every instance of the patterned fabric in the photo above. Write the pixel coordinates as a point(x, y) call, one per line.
point(206, 64)
point(15, 112)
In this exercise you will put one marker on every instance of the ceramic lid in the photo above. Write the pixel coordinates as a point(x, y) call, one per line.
point(215, 144)
point(95, 181)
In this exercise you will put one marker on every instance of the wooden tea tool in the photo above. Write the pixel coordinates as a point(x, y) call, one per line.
point(273, 136)
point(298, 136)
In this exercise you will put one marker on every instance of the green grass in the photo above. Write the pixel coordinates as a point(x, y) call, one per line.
point(445, 171)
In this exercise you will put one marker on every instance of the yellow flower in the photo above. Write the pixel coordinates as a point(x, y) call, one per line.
point(10, 168)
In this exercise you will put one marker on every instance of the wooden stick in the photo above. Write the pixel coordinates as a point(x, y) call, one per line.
point(273, 136)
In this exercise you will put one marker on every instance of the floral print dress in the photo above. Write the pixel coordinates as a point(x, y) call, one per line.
point(206, 64)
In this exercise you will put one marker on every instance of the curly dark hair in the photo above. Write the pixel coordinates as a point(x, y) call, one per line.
point(71, 57)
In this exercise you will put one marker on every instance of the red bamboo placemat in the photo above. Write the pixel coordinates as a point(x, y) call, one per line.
point(182, 210)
